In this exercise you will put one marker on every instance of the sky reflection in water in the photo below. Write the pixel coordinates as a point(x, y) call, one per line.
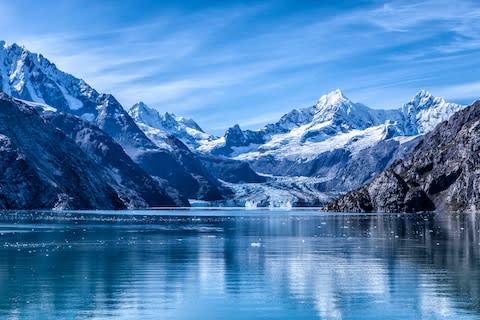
point(263, 265)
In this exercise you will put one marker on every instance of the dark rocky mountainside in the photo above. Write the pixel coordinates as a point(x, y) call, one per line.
point(175, 163)
point(42, 168)
point(79, 167)
point(229, 170)
point(136, 188)
point(441, 174)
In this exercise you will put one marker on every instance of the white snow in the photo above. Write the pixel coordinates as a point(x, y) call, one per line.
point(43, 106)
point(73, 103)
point(185, 129)
point(278, 192)
point(90, 117)
point(289, 145)
point(33, 94)
point(23, 70)
point(210, 144)
point(157, 136)
point(336, 122)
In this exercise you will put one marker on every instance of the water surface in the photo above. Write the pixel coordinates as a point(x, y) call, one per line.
point(231, 264)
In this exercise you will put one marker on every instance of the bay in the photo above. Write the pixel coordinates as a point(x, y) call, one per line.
point(238, 264)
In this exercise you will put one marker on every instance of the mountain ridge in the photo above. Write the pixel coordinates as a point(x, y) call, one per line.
point(322, 145)
point(32, 77)
point(327, 142)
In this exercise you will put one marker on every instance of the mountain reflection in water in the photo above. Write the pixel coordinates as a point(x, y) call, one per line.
point(261, 265)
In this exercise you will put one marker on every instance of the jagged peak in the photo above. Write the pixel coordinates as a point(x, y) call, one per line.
point(425, 95)
point(13, 45)
point(19, 51)
point(140, 106)
point(171, 115)
point(235, 127)
point(422, 93)
point(336, 105)
point(144, 108)
point(152, 117)
point(333, 98)
point(423, 99)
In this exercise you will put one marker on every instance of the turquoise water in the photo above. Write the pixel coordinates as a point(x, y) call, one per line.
point(231, 264)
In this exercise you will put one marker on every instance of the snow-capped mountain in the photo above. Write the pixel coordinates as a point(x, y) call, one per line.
point(31, 77)
point(156, 124)
point(441, 174)
point(337, 143)
point(311, 153)
point(333, 122)
point(424, 112)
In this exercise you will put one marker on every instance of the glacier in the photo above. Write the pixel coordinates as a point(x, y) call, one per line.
point(311, 154)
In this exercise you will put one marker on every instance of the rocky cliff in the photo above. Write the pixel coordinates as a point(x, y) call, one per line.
point(40, 167)
point(441, 174)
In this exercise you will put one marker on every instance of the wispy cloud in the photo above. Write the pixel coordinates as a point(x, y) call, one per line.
point(236, 61)
point(459, 18)
point(467, 92)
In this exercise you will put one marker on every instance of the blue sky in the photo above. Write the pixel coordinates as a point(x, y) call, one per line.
point(249, 62)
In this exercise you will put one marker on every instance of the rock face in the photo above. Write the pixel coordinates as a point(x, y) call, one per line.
point(135, 187)
point(31, 77)
point(232, 171)
point(40, 167)
point(442, 173)
point(172, 161)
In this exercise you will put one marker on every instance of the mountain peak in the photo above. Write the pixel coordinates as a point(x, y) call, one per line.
point(425, 111)
point(422, 96)
point(140, 107)
point(141, 112)
point(14, 48)
point(332, 102)
point(423, 99)
point(333, 98)
point(140, 104)
point(335, 105)
point(423, 93)
point(185, 129)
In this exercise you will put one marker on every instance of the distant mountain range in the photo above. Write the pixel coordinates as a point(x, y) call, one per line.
point(148, 158)
point(312, 154)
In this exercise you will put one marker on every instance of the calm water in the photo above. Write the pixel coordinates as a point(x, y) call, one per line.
point(238, 265)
